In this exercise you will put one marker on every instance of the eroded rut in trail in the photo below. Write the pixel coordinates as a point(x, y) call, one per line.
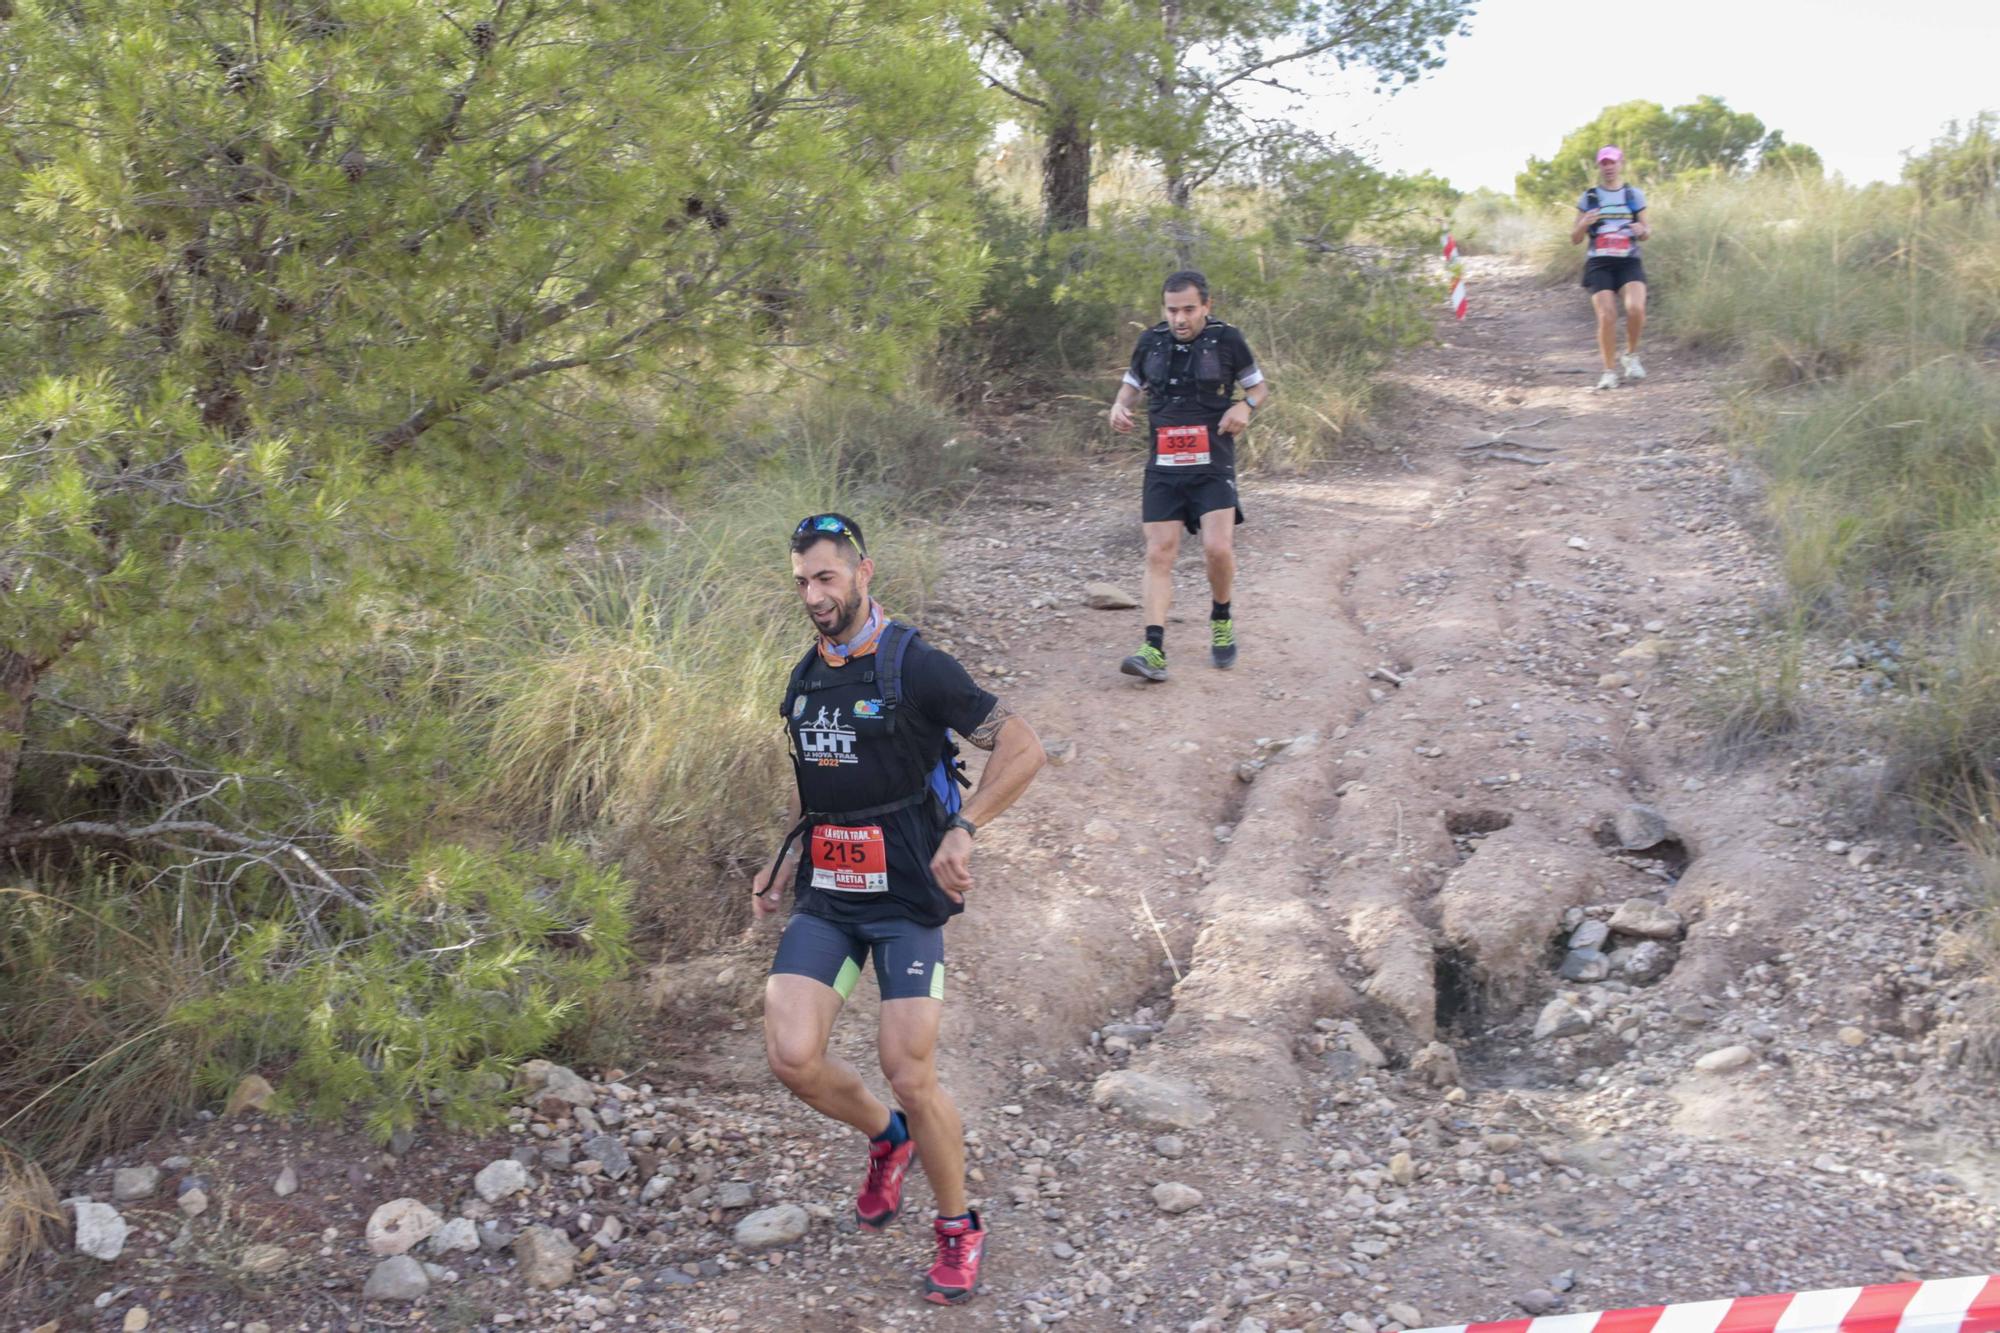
point(1493, 994)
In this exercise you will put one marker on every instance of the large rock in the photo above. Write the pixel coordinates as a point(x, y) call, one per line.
point(1584, 965)
point(1151, 1100)
point(399, 1224)
point(545, 1256)
point(501, 1179)
point(1173, 1197)
point(1437, 1065)
point(769, 1227)
point(100, 1231)
point(1639, 827)
point(553, 1080)
point(1647, 920)
point(398, 1278)
point(1648, 960)
point(134, 1182)
point(1108, 597)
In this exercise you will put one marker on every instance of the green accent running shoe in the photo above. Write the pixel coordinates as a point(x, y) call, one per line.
point(1222, 643)
point(1149, 662)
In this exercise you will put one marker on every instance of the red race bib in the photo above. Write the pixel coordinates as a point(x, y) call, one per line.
point(1615, 244)
point(849, 860)
point(1181, 446)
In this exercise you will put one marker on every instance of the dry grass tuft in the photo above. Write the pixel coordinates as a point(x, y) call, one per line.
point(31, 1217)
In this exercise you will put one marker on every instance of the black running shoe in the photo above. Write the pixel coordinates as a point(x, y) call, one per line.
point(1149, 663)
point(1222, 643)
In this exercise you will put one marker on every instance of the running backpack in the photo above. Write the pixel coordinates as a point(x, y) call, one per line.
point(1596, 200)
point(946, 774)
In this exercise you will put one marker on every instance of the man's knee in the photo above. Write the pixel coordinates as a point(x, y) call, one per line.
point(793, 1059)
point(1160, 554)
point(912, 1078)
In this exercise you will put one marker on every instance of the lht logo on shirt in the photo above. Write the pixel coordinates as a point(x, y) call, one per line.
point(824, 741)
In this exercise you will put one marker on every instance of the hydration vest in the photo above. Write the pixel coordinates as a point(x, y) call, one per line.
point(1595, 198)
point(919, 772)
point(1212, 380)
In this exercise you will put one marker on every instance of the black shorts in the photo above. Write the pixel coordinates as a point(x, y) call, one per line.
point(1608, 273)
point(909, 958)
point(1168, 497)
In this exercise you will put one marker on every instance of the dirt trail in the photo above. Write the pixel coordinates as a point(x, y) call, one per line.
point(1365, 849)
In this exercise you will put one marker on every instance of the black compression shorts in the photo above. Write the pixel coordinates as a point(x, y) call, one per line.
point(1169, 497)
point(1608, 273)
point(909, 958)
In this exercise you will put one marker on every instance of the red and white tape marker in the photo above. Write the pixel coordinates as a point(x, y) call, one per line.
point(1457, 298)
point(1945, 1305)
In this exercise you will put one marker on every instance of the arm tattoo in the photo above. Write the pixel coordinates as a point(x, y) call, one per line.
point(987, 734)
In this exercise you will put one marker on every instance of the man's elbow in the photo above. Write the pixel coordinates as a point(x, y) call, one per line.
point(1026, 745)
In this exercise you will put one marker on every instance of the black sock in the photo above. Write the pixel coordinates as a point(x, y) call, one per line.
point(896, 1133)
point(1218, 610)
point(1156, 637)
point(962, 1217)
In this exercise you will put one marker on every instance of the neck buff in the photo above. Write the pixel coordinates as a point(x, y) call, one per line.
point(863, 643)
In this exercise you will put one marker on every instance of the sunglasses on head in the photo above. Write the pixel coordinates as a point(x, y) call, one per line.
point(833, 525)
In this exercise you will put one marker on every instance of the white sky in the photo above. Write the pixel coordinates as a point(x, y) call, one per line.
point(1859, 80)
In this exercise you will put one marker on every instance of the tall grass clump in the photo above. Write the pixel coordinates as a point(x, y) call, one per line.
point(628, 694)
point(1865, 323)
point(1807, 279)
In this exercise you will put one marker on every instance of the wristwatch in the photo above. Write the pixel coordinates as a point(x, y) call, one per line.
point(960, 821)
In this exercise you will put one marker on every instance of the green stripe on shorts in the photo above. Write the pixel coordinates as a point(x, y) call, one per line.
point(850, 972)
point(937, 981)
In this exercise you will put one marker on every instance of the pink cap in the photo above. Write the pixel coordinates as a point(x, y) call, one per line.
point(1608, 153)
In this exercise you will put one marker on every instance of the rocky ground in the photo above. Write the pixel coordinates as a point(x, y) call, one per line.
point(1450, 959)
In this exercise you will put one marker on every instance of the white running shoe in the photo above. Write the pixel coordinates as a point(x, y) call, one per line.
point(1633, 370)
point(1608, 380)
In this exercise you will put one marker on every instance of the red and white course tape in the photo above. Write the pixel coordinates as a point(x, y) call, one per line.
point(1457, 298)
point(1945, 1305)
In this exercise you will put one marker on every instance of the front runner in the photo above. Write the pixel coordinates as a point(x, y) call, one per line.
point(1188, 366)
point(888, 862)
point(1612, 214)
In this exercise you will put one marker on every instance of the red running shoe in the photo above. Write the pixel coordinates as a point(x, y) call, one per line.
point(881, 1195)
point(955, 1275)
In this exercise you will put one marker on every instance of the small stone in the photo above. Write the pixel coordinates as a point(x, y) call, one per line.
point(1173, 1197)
point(100, 1231)
point(1578, 544)
point(287, 1183)
point(134, 1182)
point(1060, 753)
point(1725, 1060)
point(1403, 1169)
point(544, 1258)
point(1584, 965)
point(137, 1318)
point(1170, 1146)
point(1437, 1065)
point(1502, 1144)
point(1406, 1315)
point(1561, 1017)
point(398, 1225)
point(770, 1227)
point(1102, 830)
point(1639, 827)
point(1853, 1036)
point(397, 1278)
point(1370, 1054)
point(1864, 855)
point(1107, 597)
point(608, 1151)
point(734, 1194)
point(1649, 960)
point(1646, 919)
point(458, 1236)
point(567, 1085)
point(1591, 934)
point(253, 1093)
point(1538, 1301)
point(1152, 1100)
point(193, 1202)
point(501, 1179)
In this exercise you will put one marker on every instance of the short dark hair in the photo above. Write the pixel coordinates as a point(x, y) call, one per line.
point(1184, 279)
point(805, 538)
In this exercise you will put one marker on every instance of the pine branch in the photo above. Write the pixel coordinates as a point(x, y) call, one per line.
point(165, 833)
